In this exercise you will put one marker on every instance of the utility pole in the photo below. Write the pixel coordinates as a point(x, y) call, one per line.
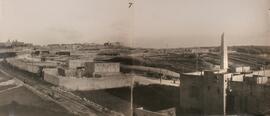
point(264, 68)
point(161, 75)
point(130, 37)
point(197, 59)
point(131, 96)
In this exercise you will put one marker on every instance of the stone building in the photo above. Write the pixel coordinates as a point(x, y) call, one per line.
point(251, 95)
point(95, 69)
point(204, 92)
point(219, 92)
point(75, 63)
point(67, 72)
point(88, 68)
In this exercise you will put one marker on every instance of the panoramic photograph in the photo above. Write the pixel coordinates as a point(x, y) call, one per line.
point(134, 57)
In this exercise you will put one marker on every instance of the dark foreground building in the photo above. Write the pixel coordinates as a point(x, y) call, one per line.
point(219, 92)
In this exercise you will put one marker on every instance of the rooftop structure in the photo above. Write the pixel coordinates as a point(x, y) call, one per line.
point(219, 92)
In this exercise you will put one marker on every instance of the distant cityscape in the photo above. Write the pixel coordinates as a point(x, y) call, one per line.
point(113, 79)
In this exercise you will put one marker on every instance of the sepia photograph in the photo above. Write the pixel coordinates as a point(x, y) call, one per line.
point(134, 57)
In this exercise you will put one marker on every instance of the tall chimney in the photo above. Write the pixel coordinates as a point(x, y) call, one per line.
point(223, 54)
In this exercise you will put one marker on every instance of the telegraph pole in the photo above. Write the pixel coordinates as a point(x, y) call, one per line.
point(131, 96)
point(131, 36)
point(197, 59)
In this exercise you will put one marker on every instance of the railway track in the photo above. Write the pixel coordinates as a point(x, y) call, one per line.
point(71, 102)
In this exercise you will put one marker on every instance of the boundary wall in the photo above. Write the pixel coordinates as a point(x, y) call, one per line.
point(85, 84)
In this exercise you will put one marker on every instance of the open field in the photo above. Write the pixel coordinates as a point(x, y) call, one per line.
point(188, 62)
point(22, 102)
point(16, 109)
point(72, 104)
point(151, 97)
point(24, 97)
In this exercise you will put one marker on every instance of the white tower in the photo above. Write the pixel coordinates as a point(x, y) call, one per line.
point(223, 54)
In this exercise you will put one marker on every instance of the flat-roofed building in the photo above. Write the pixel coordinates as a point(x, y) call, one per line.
point(78, 63)
point(101, 68)
point(204, 92)
point(241, 69)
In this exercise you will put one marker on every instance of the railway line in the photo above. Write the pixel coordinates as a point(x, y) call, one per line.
point(68, 100)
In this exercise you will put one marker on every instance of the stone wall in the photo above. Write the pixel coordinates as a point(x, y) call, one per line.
point(204, 94)
point(107, 67)
point(214, 92)
point(77, 63)
point(142, 112)
point(50, 76)
point(84, 84)
point(191, 92)
point(239, 78)
point(249, 98)
point(24, 66)
point(93, 83)
point(104, 68)
point(262, 73)
point(68, 72)
point(151, 69)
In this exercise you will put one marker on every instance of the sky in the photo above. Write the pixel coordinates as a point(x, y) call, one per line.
point(149, 23)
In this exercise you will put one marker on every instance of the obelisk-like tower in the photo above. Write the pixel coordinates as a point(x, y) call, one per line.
point(223, 54)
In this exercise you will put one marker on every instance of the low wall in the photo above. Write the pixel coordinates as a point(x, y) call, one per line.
point(262, 72)
point(24, 66)
point(142, 112)
point(166, 112)
point(94, 83)
point(50, 76)
point(84, 84)
point(151, 69)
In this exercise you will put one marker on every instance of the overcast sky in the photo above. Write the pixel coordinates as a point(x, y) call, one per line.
point(155, 23)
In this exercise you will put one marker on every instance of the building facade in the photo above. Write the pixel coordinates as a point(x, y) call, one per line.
point(102, 68)
point(221, 92)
